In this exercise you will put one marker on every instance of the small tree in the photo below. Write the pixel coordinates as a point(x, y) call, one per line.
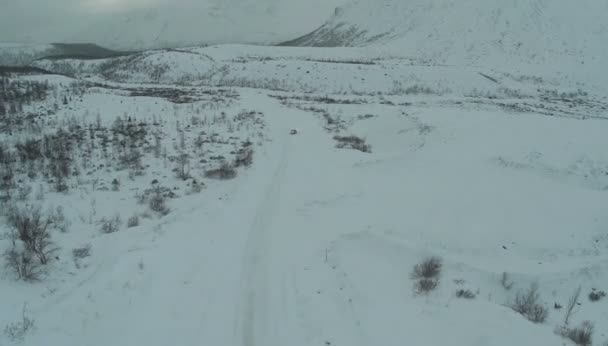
point(30, 227)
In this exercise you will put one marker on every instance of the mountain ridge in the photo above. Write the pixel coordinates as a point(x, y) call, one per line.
point(470, 31)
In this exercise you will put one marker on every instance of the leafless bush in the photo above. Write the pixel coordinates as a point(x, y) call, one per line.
point(466, 294)
point(429, 268)
point(595, 296)
point(426, 274)
point(18, 330)
point(82, 252)
point(111, 225)
point(32, 229)
point(244, 157)
point(133, 221)
point(581, 336)
point(527, 303)
point(224, 172)
point(24, 264)
point(425, 285)
point(157, 202)
point(353, 142)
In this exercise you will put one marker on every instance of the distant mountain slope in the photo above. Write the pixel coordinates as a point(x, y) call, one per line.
point(16, 54)
point(447, 31)
point(172, 25)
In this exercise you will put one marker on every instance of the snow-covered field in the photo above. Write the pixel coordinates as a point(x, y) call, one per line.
point(500, 171)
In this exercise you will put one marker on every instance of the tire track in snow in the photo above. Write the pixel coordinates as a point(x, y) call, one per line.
point(253, 317)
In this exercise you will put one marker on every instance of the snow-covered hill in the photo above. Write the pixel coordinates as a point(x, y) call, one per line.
point(473, 31)
point(23, 54)
point(246, 195)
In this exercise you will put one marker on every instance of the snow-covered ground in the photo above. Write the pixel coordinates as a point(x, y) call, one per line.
point(500, 170)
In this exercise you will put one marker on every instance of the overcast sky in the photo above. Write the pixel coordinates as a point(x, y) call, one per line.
point(115, 22)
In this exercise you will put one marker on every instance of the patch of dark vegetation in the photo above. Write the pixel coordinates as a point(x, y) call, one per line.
point(343, 61)
point(226, 171)
point(321, 99)
point(32, 246)
point(465, 294)
point(82, 51)
point(19, 96)
point(581, 336)
point(111, 224)
point(184, 95)
point(426, 274)
point(244, 157)
point(527, 303)
point(596, 296)
point(353, 142)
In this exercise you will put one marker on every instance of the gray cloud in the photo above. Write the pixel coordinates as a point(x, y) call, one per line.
point(149, 23)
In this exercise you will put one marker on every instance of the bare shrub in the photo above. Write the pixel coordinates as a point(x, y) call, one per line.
point(32, 229)
point(23, 264)
point(244, 157)
point(111, 225)
point(18, 330)
point(157, 203)
point(425, 285)
point(527, 303)
point(429, 268)
point(581, 336)
point(353, 142)
point(595, 296)
point(427, 274)
point(224, 172)
point(133, 221)
point(82, 252)
point(466, 294)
